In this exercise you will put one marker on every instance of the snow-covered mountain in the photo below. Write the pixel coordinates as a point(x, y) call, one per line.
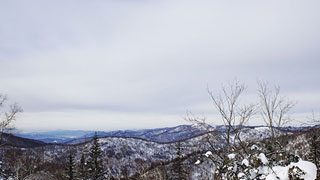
point(128, 153)
point(161, 135)
point(168, 134)
point(143, 149)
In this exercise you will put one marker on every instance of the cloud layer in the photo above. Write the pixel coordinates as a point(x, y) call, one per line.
point(127, 60)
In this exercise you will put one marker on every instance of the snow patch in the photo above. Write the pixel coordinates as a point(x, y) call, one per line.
point(245, 162)
point(263, 158)
point(231, 156)
point(307, 167)
point(207, 154)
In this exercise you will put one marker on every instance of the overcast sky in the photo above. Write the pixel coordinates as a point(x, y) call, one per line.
point(131, 64)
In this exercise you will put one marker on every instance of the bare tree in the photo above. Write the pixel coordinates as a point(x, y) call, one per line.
point(235, 116)
point(311, 121)
point(274, 108)
point(227, 104)
point(8, 114)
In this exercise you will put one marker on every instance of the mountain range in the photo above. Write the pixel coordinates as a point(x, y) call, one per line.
point(126, 153)
point(161, 135)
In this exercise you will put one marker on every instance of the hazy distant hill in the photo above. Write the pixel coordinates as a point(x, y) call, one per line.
point(161, 135)
point(12, 140)
point(58, 136)
point(157, 135)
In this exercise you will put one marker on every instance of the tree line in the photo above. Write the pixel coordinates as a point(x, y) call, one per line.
point(89, 168)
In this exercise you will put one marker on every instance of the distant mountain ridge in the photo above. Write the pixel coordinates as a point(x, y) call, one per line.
point(160, 135)
point(57, 136)
point(12, 140)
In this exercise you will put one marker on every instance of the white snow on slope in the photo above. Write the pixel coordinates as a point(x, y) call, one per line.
point(309, 168)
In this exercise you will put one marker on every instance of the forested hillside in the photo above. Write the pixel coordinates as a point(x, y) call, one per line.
point(134, 158)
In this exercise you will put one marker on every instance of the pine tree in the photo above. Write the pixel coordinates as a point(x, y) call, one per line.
point(70, 170)
point(95, 162)
point(83, 168)
point(178, 172)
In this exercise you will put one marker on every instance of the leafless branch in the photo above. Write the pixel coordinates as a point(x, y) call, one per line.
point(274, 108)
point(8, 114)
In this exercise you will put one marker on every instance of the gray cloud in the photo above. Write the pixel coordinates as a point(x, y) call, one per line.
point(152, 57)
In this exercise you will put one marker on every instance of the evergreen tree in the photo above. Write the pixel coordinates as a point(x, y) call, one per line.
point(83, 168)
point(95, 162)
point(70, 170)
point(178, 172)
